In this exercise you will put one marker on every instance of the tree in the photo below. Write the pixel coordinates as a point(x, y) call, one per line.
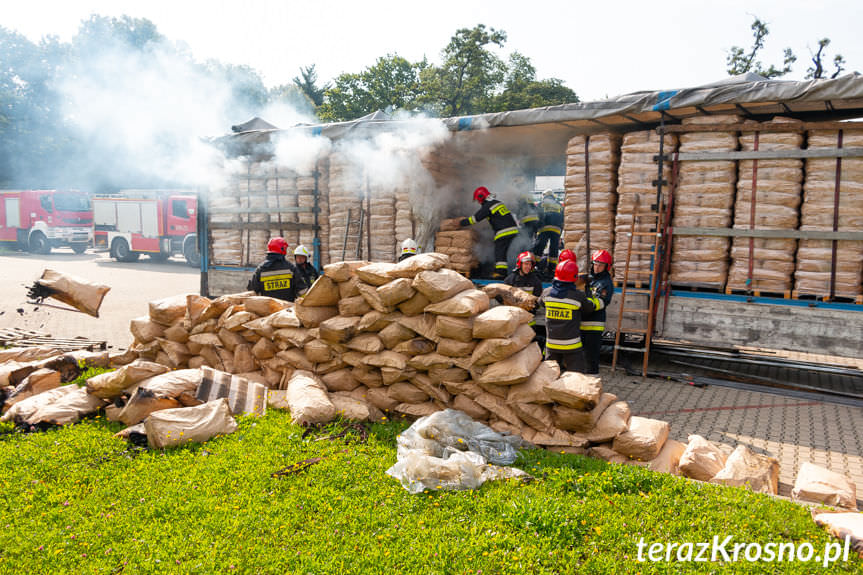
point(392, 83)
point(816, 71)
point(522, 89)
point(307, 82)
point(292, 96)
point(469, 75)
point(739, 61)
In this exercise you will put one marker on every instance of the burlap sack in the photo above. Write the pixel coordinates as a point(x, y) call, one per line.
point(169, 310)
point(497, 349)
point(418, 409)
point(455, 348)
point(380, 398)
point(394, 334)
point(578, 420)
point(340, 380)
point(498, 407)
point(264, 349)
point(513, 370)
point(356, 305)
point(374, 321)
point(537, 416)
point(468, 303)
point(324, 292)
point(669, 458)
point(575, 390)
point(195, 306)
point(613, 421)
point(376, 274)
point(342, 271)
point(263, 305)
point(440, 285)
point(112, 384)
point(404, 392)
point(533, 390)
point(500, 321)
point(415, 346)
point(294, 336)
point(173, 427)
point(145, 330)
point(177, 333)
point(309, 400)
point(225, 338)
point(395, 292)
point(457, 328)
point(745, 468)
point(353, 409)
point(66, 408)
point(366, 343)
point(414, 305)
point(338, 329)
point(427, 361)
point(163, 391)
point(410, 267)
point(470, 407)
point(387, 359)
point(295, 358)
point(390, 375)
point(314, 316)
point(286, 318)
point(424, 325)
point(511, 296)
point(349, 288)
point(643, 440)
point(81, 294)
point(368, 376)
point(37, 382)
point(373, 298)
point(820, 485)
point(318, 351)
point(702, 459)
point(22, 410)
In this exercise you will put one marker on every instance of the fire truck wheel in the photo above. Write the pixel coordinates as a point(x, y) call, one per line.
point(39, 243)
point(121, 252)
point(79, 248)
point(190, 252)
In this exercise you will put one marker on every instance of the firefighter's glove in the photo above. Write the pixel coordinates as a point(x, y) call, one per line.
point(464, 222)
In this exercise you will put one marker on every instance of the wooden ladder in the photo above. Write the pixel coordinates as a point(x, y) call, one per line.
point(354, 231)
point(654, 218)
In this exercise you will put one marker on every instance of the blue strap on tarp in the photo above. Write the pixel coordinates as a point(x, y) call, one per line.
point(663, 100)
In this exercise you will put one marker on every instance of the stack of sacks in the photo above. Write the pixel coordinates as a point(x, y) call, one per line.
point(254, 197)
point(306, 199)
point(25, 372)
point(405, 224)
point(704, 460)
point(346, 188)
point(382, 223)
point(814, 257)
point(635, 187)
point(323, 212)
point(458, 243)
point(282, 193)
point(225, 245)
point(704, 198)
point(777, 199)
point(603, 158)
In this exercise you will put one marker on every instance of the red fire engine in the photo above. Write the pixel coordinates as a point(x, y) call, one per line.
point(159, 226)
point(38, 220)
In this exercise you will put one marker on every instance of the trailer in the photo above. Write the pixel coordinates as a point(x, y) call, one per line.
point(738, 307)
point(136, 223)
point(39, 220)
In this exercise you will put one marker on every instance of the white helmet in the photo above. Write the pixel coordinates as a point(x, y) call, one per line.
point(548, 193)
point(409, 246)
point(302, 251)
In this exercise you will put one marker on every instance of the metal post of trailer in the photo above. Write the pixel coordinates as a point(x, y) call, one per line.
point(204, 241)
point(316, 243)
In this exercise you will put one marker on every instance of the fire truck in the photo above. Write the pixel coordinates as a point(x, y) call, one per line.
point(156, 223)
point(38, 220)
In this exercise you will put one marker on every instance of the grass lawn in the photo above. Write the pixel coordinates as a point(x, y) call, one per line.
point(77, 500)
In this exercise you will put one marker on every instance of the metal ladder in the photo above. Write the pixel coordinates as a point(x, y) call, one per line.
point(354, 231)
point(654, 218)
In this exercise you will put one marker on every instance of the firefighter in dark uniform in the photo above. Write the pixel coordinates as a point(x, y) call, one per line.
point(409, 249)
point(526, 278)
point(528, 218)
point(550, 229)
point(502, 222)
point(601, 286)
point(276, 276)
point(564, 306)
point(304, 267)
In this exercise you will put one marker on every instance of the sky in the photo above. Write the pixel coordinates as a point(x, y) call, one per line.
point(599, 49)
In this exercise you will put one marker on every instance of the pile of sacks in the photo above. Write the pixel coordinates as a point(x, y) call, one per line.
point(457, 243)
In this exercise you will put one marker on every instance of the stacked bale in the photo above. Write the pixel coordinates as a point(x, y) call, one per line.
point(603, 160)
point(704, 198)
point(636, 192)
point(225, 245)
point(814, 257)
point(347, 188)
point(777, 200)
point(381, 222)
point(457, 243)
point(253, 196)
point(405, 225)
point(306, 187)
point(324, 211)
point(282, 193)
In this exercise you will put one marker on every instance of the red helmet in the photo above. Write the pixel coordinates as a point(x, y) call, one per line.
point(566, 271)
point(566, 255)
point(480, 194)
point(602, 257)
point(524, 257)
point(277, 245)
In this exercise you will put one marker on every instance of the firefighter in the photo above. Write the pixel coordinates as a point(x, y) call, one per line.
point(564, 306)
point(524, 275)
point(409, 249)
point(528, 217)
point(502, 222)
point(276, 276)
point(599, 286)
point(566, 254)
point(304, 267)
point(550, 229)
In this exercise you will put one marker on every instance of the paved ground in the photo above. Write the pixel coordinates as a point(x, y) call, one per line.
point(132, 286)
point(790, 429)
